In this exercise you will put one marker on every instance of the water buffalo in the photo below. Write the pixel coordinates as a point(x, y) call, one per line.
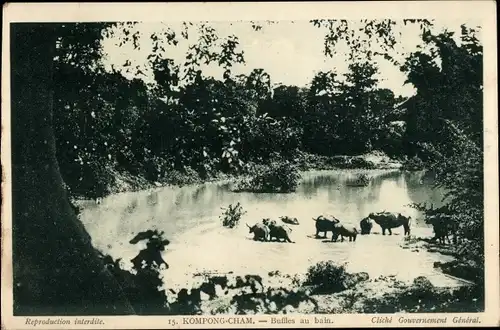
point(391, 220)
point(325, 225)
point(290, 221)
point(444, 226)
point(343, 231)
point(279, 232)
point(260, 232)
point(366, 226)
point(268, 222)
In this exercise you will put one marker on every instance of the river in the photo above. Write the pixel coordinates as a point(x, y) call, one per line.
point(189, 216)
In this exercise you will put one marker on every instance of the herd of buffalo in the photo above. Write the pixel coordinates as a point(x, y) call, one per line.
point(269, 230)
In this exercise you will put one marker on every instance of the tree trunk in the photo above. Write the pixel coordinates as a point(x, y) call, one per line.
point(56, 269)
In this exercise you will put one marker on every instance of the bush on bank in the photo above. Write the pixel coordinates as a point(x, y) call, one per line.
point(232, 215)
point(277, 177)
point(327, 277)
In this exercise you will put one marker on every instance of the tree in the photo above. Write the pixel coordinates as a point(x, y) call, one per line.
point(365, 38)
point(450, 108)
point(358, 121)
point(451, 90)
point(321, 117)
point(56, 269)
point(287, 101)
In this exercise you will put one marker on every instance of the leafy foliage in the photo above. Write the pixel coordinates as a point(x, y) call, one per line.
point(449, 88)
point(329, 277)
point(413, 164)
point(106, 122)
point(278, 177)
point(143, 287)
point(366, 38)
point(232, 215)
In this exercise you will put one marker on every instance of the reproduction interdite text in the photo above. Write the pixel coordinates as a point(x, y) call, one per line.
point(62, 321)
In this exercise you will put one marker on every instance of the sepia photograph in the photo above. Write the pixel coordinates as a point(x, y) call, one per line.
point(317, 165)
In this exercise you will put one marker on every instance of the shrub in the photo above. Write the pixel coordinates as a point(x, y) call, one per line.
point(360, 162)
point(273, 301)
point(466, 269)
point(326, 277)
point(279, 177)
point(232, 215)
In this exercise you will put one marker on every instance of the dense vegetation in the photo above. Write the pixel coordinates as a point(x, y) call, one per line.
point(448, 131)
point(188, 125)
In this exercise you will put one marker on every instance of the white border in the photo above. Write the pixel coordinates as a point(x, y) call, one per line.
point(92, 12)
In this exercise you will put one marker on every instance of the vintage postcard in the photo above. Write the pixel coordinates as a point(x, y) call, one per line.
point(249, 165)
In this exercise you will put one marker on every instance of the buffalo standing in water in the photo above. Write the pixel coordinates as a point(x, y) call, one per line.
point(444, 226)
point(279, 232)
point(343, 231)
point(325, 225)
point(391, 220)
point(366, 226)
point(260, 232)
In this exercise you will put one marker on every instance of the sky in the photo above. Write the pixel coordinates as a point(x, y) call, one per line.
point(290, 52)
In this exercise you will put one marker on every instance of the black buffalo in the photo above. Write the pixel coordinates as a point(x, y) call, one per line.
point(260, 232)
point(391, 220)
point(279, 232)
point(325, 225)
point(366, 226)
point(444, 226)
point(344, 231)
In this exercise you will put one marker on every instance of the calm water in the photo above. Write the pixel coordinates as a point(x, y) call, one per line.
point(190, 218)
